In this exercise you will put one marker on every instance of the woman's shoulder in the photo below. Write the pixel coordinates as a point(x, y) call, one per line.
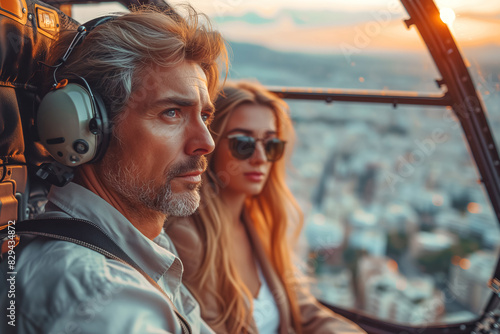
point(181, 225)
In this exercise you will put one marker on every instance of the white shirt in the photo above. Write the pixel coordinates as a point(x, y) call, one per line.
point(265, 310)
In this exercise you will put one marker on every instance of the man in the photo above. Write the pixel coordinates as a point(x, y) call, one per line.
point(157, 75)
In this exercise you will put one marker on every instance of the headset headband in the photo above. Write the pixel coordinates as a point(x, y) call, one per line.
point(82, 32)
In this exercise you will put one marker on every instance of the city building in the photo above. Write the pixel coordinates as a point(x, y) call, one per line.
point(469, 279)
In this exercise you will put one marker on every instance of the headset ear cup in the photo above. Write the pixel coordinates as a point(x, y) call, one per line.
point(62, 124)
point(73, 125)
point(104, 135)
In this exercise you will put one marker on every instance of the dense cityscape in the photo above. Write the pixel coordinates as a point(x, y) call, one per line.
point(396, 223)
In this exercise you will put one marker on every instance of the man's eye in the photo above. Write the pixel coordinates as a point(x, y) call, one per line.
point(207, 117)
point(171, 112)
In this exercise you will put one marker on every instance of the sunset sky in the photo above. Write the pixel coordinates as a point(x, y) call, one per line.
point(334, 26)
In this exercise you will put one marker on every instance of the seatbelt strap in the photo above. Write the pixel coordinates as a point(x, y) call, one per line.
point(90, 235)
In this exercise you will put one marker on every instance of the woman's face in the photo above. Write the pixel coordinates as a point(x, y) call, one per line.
point(245, 177)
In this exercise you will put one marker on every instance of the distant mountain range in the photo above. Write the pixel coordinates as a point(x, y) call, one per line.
point(390, 71)
point(308, 18)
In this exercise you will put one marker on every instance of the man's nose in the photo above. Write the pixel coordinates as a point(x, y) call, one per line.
point(200, 142)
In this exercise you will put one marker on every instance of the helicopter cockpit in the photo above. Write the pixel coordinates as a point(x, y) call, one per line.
point(395, 105)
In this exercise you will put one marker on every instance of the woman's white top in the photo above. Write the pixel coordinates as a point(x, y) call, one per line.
point(265, 310)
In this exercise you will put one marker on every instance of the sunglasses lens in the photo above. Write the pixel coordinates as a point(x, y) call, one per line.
point(242, 147)
point(274, 149)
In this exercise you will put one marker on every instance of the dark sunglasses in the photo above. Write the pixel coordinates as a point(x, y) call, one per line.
point(242, 147)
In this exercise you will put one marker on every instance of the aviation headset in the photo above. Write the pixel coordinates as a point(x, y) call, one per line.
point(72, 121)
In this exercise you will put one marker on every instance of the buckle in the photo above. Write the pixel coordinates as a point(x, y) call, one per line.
point(494, 284)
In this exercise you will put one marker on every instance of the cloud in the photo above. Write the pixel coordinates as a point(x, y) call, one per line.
point(333, 32)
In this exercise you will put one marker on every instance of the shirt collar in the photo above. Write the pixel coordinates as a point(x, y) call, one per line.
point(81, 203)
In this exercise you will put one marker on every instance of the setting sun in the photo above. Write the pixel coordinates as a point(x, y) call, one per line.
point(447, 15)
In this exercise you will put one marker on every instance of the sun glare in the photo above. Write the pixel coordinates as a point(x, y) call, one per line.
point(447, 15)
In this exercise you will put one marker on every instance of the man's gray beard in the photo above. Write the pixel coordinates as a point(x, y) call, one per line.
point(126, 181)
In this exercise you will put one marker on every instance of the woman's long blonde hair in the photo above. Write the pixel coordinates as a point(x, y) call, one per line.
point(271, 212)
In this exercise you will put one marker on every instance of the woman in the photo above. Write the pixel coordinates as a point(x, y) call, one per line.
point(237, 260)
